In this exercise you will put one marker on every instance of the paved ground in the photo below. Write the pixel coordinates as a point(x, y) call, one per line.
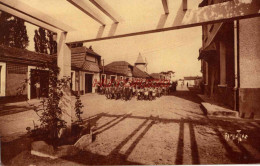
point(169, 130)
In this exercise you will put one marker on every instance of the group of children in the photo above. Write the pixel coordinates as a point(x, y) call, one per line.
point(142, 90)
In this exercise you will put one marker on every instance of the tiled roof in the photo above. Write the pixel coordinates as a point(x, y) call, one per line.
point(16, 55)
point(78, 55)
point(11, 54)
point(83, 50)
point(90, 66)
point(155, 75)
point(139, 73)
point(118, 67)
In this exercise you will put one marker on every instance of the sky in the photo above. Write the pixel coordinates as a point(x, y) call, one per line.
point(175, 50)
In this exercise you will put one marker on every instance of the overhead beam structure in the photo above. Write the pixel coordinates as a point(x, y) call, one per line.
point(184, 5)
point(230, 10)
point(84, 8)
point(165, 6)
point(33, 16)
point(106, 9)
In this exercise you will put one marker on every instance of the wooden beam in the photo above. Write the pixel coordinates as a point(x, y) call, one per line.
point(184, 5)
point(226, 11)
point(165, 6)
point(31, 15)
point(84, 8)
point(106, 9)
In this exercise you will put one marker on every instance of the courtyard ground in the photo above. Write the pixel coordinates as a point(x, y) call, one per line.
point(169, 130)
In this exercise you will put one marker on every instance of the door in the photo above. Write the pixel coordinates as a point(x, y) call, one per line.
point(42, 77)
point(88, 83)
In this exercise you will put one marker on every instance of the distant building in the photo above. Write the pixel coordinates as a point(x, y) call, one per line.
point(168, 75)
point(192, 81)
point(122, 70)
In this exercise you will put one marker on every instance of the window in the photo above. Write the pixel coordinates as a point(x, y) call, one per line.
point(113, 78)
point(2, 78)
point(90, 58)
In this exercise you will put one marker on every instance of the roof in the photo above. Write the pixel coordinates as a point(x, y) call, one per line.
point(192, 77)
point(83, 49)
point(118, 67)
point(167, 72)
point(155, 75)
point(90, 66)
point(18, 55)
point(78, 60)
point(140, 59)
point(139, 73)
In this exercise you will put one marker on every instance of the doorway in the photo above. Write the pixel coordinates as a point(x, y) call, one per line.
point(42, 77)
point(88, 83)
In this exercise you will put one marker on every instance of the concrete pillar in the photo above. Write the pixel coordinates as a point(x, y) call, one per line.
point(207, 73)
point(64, 63)
point(249, 70)
point(236, 65)
point(222, 63)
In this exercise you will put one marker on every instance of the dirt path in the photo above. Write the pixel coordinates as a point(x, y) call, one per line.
point(169, 130)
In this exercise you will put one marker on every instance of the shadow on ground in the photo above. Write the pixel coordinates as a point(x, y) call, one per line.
point(16, 152)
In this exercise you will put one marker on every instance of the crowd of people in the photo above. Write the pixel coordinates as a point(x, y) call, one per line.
point(139, 90)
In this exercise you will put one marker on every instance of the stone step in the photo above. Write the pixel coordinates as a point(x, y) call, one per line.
point(214, 110)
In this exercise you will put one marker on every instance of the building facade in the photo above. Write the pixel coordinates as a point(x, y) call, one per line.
point(192, 81)
point(121, 71)
point(230, 62)
point(19, 65)
point(85, 69)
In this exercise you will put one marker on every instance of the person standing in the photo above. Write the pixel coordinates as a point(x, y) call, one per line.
point(38, 87)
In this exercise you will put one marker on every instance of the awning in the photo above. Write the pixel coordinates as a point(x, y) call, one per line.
point(205, 53)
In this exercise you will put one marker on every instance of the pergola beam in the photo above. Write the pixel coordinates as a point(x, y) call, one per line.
point(184, 5)
point(101, 5)
point(84, 8)
point(165, 6)
point(226, 11)
point(33, 16)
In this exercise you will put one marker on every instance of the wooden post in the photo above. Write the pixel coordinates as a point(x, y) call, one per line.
point(64, 63)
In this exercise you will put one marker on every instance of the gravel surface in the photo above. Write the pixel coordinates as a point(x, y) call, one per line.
point(169, 130)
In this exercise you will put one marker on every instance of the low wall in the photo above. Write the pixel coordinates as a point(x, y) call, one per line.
point(249, 99)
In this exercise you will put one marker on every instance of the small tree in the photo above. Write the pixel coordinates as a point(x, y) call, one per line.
point(49, 110)
point(78, 107)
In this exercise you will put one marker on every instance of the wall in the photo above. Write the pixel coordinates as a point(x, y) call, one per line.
point(15, 77)
point(249, 64)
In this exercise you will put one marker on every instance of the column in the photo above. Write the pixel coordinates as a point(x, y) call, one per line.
point(64, 63)
point(222, 55)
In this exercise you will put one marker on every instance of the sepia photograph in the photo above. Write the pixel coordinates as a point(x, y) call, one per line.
point(129, 82)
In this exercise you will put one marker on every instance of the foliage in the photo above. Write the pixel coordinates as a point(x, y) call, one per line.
point(78, 107)
point(49, 110)
point(13, 32)
point(44, 41)
point(52, 44)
